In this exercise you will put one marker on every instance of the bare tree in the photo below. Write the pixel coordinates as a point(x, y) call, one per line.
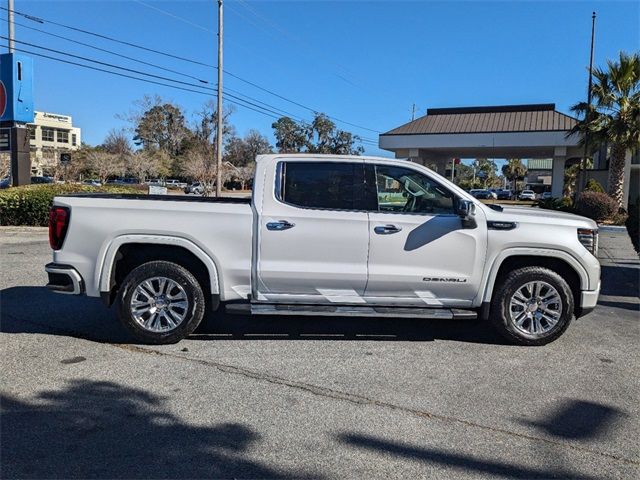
point(5, 164)
point(201, 168)
point(105, 164)
point(143, 164)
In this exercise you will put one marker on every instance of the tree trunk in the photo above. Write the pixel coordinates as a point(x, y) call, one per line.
point(616, 173)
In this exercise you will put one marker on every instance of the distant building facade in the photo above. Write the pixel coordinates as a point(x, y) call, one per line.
point(50, 135)
point(539, 174)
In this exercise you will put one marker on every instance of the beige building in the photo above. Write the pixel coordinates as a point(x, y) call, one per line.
point(50, 135)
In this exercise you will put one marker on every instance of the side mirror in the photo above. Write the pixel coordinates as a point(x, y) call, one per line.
point(467, 212)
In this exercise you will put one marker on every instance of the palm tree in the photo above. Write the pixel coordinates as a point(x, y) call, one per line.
point(514, 170)
point(614, 117)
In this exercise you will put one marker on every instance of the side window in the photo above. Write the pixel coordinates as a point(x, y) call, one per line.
point(404, 190)
point(319, 184)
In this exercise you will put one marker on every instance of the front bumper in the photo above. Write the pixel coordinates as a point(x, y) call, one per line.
point(64, 279)
point(588, 300)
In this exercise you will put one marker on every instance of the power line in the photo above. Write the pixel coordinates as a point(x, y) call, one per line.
point(90, 67)
point(109, 51)
point(177, 17)
point(248, 82)
point(80, 57)
point(269, 108)
point(106, 37)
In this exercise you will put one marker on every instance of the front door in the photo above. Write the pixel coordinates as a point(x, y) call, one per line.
point(419, 253)
point(313, 241)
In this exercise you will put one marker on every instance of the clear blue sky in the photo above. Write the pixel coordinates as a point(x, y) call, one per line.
point(363, 62)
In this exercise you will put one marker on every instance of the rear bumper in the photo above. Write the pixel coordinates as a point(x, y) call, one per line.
point(64, 279)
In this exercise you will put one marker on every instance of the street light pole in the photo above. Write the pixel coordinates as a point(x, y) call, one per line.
point(583, 164)
point(10, 25)
point(219, 108)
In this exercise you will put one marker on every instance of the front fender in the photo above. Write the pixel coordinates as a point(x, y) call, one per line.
point(492, 273)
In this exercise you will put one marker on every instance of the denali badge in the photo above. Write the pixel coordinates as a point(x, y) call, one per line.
point(444, 279)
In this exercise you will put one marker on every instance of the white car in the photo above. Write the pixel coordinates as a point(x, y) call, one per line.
point(327, 235)
point(527, 195)
point(173, 183)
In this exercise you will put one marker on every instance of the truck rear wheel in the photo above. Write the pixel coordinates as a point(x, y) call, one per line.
point(532, 306)
point(160, 302)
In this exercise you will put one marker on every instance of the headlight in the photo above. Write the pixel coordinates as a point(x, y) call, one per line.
point(589, 238)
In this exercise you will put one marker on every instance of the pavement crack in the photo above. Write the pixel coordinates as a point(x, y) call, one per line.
point(363, 400)
point(330, 393)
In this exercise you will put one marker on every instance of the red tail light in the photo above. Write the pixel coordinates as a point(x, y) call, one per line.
point(58, 224)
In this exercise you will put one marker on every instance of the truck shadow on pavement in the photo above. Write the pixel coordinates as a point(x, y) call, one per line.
point(36, 310)
point(94, 429)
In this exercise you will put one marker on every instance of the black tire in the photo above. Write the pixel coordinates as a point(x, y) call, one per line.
point(507, 286)
point(193, 313)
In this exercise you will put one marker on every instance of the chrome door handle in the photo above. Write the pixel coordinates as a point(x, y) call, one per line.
point(386, 229)
point(280, 225)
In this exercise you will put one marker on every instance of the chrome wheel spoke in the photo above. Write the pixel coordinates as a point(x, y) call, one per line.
point(535, 308)
point(159, 304)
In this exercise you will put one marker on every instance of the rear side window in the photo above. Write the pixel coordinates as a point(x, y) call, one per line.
point(320, 184)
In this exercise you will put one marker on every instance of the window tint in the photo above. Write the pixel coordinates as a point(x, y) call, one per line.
point(319, 184)
point(404, 190)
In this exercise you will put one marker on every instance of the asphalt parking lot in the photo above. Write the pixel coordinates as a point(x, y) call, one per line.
point(312, 397)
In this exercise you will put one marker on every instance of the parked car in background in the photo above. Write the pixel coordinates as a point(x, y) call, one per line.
point(482, 194)
point(123, 181)
point(155, 182)
point(527, 195)
point(546, 196)
point(41, 180)
point(92, 182)
point(173, 183)
point(5, 182)
point(504, 195)
point(195, 188)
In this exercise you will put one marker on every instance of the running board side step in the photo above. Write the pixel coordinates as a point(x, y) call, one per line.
point(350, 311)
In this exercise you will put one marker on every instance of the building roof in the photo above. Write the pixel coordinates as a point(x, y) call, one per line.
point(498, 119)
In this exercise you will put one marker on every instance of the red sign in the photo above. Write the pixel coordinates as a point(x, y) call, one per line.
point(3, 99)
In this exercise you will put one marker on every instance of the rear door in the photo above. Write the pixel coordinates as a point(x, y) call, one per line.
point(419, 253)
point(313, 233)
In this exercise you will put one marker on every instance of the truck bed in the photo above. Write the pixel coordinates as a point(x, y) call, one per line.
point(221, 228)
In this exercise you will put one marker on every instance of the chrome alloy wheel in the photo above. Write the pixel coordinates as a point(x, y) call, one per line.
point(535, 308)
point(159, 304)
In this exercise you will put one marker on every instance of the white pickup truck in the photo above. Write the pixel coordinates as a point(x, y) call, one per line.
point(327, 235)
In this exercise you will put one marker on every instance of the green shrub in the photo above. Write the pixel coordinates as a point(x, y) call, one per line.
point(563, 204)
point(597, 206)
point(29, 205)
point(593, 186)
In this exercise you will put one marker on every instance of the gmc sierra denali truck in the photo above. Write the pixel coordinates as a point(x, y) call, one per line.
point(327, 235)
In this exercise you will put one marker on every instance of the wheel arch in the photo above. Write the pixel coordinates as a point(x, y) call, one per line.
point(127, 252)
point(558, 261)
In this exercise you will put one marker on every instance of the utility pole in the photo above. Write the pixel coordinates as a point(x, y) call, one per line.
point(219, 112)
point(10, 25)
point(583, 164)
point(413, 112)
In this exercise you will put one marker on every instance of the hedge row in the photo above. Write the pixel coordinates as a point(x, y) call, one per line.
point(29, 205)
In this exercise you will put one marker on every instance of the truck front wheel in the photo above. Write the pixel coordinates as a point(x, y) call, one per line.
point(532, 306)
point(160, 302)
